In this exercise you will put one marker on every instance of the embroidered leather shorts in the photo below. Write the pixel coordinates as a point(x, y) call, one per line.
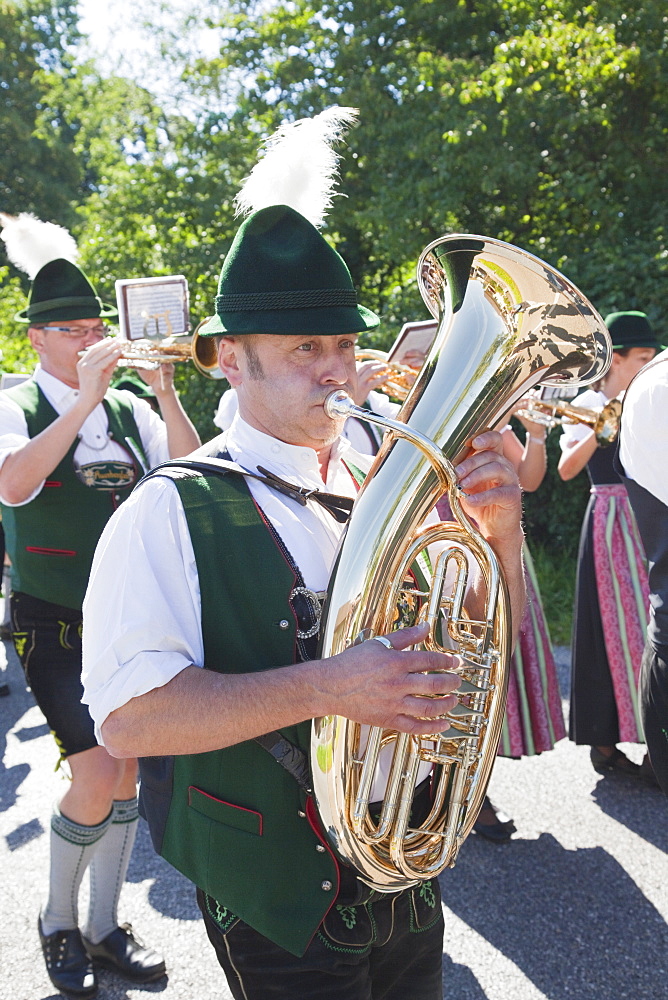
point(47, 638)
point(389, 946)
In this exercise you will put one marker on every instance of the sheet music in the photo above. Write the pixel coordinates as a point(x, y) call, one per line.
point(153, 308)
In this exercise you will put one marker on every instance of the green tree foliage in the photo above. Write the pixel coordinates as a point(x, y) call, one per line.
point(541, 123)
point(39, 171)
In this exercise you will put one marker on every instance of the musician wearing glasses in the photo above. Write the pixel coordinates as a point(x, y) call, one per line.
point(71, 450)
point(212, 676)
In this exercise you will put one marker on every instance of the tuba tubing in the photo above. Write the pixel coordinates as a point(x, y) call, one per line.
point(506, 322)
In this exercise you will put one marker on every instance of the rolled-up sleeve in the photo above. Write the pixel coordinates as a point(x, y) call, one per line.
point(142, 607)
point(13, 436)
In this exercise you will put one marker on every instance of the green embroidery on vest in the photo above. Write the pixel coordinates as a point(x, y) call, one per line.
point(348, 915)
point(427, 893)
point(20, 640)
point(106, 475)
point(62, 635)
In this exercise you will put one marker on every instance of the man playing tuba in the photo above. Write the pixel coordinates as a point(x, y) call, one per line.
point(220, 650)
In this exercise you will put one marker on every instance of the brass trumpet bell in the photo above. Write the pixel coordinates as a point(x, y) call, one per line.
point(399, 379)
point(149, 354)
point(204, 352)
point(603, 420)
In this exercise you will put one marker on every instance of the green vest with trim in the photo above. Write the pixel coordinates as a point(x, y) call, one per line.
point(52, 539)
point(233, 820)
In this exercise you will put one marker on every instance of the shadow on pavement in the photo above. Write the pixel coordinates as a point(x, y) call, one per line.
point(12, 708)
point(171, 893)
point(581, 926)
point(635, 806)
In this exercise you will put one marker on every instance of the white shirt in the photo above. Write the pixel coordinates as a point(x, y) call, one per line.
point(144, 590)
point(94, 442)
point(643, 449)
point(142, 610)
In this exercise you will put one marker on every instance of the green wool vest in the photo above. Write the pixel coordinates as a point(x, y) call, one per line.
point(233, 820)
point(52, 539)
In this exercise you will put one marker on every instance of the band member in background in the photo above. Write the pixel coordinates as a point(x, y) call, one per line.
point(221, 646)
point(643, 455)
point(611, 600)
point(534, 719)
point(71, 451)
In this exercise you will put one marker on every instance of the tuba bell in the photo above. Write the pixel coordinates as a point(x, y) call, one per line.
point(506, 322)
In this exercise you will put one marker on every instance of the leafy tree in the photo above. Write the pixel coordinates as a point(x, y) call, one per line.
point(542, 123)
point(38, 169)
point(539, 122)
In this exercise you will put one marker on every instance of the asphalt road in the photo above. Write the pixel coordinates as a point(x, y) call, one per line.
point(573, 908)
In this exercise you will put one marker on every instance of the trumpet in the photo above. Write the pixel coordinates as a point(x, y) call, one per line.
point(150, 354)
point(400, 378)
point(603, 420)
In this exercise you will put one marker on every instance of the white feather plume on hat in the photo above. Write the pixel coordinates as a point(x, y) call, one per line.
point(299, 167)
point(32, 243)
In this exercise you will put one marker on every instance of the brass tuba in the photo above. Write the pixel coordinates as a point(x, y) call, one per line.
point(506, 321)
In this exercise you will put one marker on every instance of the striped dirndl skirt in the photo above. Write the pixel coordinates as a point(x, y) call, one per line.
point(534, 718)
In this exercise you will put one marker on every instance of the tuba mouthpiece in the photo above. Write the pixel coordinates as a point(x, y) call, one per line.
point(339, 404)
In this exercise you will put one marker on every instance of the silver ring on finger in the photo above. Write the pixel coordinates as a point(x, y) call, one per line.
point(385, 641)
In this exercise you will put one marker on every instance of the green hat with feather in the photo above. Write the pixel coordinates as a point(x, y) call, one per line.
point(60, 291)
point(281, 276)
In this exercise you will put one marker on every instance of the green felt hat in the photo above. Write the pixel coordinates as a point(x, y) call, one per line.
point(282, 277)
point(631, 329)
point(61, 291)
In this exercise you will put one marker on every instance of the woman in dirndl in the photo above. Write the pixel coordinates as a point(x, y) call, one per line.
point(611, 598)
point(534, 719)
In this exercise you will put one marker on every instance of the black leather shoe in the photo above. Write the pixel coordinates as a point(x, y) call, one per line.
point(616, 762)
point(69, 967)
point(647, 773)
point(121, 952)
point(500, 830)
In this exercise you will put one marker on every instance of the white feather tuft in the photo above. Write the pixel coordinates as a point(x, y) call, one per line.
point(299, 166)
point(32, 243)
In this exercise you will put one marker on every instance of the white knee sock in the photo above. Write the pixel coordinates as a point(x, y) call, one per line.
point(73, 846)
point(108, 869)
point(6, 591)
